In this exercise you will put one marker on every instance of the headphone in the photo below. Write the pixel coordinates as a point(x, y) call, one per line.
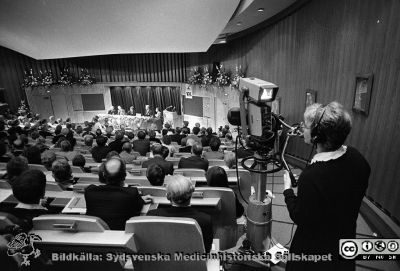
point(317, 135)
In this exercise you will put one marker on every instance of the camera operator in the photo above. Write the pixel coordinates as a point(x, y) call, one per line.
point(330, 189)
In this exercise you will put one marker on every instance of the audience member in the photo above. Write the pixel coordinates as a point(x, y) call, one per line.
point(155, 174)
point(165, 152)
point(33, 155)
point(205, 141)
point(152, 137)
point(47, 158)
point(127, 155)
point(159, 160)
point(29, 189)
point(177, 137)
point(179, 192)
point(229, 140)
point(112, 154)
point(62, 174)
point(195, 135)
point(113, 202)
point(194, 161)
point(4, 158)
point(100, 151)
point(66, 150)
point(166, 140)
point(80, 161)
point(141, 145)
point(215, 143)
point(186, 125)
point(230, 160)
point(116, 145)
point(15, 167)
point(189, 143)
point(216, 177)
point(88, 141)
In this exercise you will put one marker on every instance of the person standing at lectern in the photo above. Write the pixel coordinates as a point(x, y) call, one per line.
point(132, 111)
point(148, 111)
point(330, 190)
point(121, 111)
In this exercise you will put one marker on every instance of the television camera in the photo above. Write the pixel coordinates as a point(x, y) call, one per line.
point(260, 132)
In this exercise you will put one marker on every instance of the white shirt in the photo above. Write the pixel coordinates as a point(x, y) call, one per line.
point(327, 156)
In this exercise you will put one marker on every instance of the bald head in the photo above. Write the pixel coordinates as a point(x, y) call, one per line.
point(127, 147)
point(114, 172)
point(65, 131)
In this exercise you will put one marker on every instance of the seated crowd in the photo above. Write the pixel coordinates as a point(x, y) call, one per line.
point(60, 146)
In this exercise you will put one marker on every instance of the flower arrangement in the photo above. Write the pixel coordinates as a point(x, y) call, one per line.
point(47, 79)
point(207, 79)
point(195, 77)
point(29, 79)
point(86, 78)
point(222, 79)
point(236, 77)
point(66, 79)
point(23, 109)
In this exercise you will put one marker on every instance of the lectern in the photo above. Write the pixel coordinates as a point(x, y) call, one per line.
point(172, 118)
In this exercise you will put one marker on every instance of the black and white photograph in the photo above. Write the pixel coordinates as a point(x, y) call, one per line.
point(226, 135)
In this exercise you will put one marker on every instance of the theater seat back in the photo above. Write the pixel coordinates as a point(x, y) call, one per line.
point(223, 218)
point(63, 235)
point(165, 235)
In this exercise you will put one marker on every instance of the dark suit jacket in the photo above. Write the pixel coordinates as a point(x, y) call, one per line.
point(166, 165)
point(25, 216)
point(142, 146)
point(116, 145)
point(185, 149)
point(114, 204)
point(177, 138)
point(204, 220)
point(193, 162)
point(99, 153)
point(205, 140)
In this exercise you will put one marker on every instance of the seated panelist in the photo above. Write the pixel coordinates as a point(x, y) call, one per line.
point(148, 112)
point(121, 111)
point(132, 111)
point(113, 202)
point(112, 111)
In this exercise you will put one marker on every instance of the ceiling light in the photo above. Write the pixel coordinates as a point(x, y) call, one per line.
point(239, 23)
point(222, 41)
point(260, 9)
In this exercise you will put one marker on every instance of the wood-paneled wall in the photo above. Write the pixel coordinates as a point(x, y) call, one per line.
point(112, 68)
point(323, 46)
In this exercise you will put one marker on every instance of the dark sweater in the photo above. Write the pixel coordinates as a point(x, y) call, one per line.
point(114, 204)
point(326, 208)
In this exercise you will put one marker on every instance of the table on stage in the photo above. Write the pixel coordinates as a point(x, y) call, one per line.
point(132, 122)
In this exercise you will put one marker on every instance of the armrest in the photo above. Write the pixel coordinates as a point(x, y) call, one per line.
point(214, 265)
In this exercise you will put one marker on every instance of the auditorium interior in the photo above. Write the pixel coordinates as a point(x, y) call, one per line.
point(226, 86)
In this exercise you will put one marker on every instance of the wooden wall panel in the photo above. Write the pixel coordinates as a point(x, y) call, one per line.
point(323, 46)
point(113, 68)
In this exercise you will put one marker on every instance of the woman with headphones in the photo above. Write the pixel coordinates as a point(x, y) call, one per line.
point(330, 190)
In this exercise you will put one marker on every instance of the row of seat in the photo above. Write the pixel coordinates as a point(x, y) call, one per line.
point(87, 236)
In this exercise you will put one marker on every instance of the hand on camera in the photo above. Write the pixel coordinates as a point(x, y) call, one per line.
point(287, 183)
